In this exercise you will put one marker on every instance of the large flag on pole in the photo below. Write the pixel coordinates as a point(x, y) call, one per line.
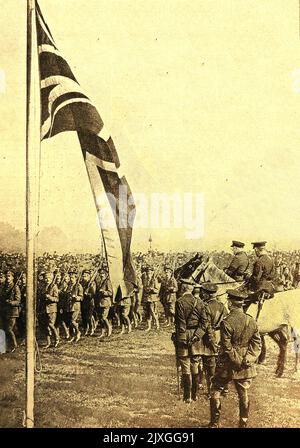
point(65, 107)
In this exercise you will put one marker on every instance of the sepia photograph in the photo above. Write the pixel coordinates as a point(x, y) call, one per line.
point(150, 217)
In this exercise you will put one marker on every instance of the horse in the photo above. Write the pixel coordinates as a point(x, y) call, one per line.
point(279, 317)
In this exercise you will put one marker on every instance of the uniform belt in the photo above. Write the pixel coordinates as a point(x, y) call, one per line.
point(192, 328)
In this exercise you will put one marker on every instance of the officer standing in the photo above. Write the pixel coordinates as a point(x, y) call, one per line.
point(88, 302)
point(216, 311)
point(240, 262)
point(190, 326)
point(263, 270)
point(240, 347)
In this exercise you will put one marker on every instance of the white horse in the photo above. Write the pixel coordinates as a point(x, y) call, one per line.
point(279, 317)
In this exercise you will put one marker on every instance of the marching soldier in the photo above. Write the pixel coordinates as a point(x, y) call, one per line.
point(12, 301)
point(48, 307)
point(124, 306)
point(103, 300)
point(240, 262)
point(216, 311)
point(73, 297)
point(167, 294)
point(88, 302)
point(239, 349)
point(190, 326)
point(62, 316)
point(150, 297)
point(263, 271)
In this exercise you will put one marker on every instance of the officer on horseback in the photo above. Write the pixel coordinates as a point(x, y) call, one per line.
point(240, 262)
point(263, 273)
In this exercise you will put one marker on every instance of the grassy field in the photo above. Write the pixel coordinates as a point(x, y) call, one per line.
point(130, 381)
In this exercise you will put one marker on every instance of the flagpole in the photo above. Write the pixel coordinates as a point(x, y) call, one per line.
point(32, 151)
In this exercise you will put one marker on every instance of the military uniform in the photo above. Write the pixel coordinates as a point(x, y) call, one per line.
point(190, 325)
point(124, 306)
point(263, 273)
point(168, 296)
point(73, 297)
point(240, 347)
point(215, 311)
point(103, 302)
point(48, 310)
point(150, 297)
point(12, 301)
point(239, 264)
point(88, 305)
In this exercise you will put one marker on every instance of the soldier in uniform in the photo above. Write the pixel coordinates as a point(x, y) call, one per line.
point(103, 300)
point(190, 326)
point(240, 347)
point(167, 294)
point(216, 311)
point(240, 262)
point(73, 297)
point(124, 305)
point(150, 297)
point(263, 271)
point(62, 316)
point(12, 301)
point(88, 302)
point(48, 300)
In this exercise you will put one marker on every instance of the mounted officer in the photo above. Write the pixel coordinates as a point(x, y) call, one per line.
point(263, 273)
point(240, 347)
point(240, 262)
point(190, 326)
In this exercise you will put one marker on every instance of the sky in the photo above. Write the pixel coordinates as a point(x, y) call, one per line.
point(200, 97)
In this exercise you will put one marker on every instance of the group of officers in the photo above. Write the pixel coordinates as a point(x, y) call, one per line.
point(225, 340)
point(227, 344)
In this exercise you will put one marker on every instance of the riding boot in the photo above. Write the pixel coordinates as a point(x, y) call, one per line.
point(108, 327)
point(187, 388)
point(156, 322)
point(122, 329)
point(78, 335)
point(244, 414)
point(215, 412)
point(195, 386)
point(148, 325)
point(129, 327)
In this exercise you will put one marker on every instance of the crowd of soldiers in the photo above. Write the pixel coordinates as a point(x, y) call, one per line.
point(75, 297)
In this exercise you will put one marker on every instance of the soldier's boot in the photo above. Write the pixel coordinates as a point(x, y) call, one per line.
point(148, 325)
point(122, 329)
point(244, 414)
point(108, 327)
point(66, 330)
point(187, 386)
point(78, 335)
point(56, 342)
point(48, 342)
point(200, 378)
point(156, 322)
point(129, 327)
point(215, 412)
point(195, 386)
